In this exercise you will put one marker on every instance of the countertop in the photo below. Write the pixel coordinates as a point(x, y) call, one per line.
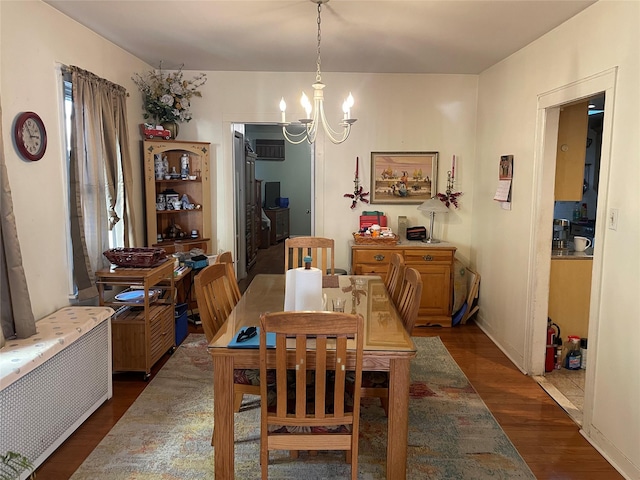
point(569, 254)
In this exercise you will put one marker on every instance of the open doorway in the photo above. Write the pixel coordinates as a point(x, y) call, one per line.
point(547, 130)
point(574, 220)
point(263, 162)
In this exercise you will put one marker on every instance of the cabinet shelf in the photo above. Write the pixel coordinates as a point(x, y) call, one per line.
point(179, 180)
point(177, 212)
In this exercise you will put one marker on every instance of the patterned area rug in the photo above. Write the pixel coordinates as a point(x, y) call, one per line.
point(166, 433)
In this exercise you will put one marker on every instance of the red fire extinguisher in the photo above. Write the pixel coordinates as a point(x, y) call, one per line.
point(553, 332)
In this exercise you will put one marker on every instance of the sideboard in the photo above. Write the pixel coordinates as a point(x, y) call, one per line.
point(433, 261)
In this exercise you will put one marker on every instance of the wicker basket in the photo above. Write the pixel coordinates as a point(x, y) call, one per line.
point(369, 240)
point(136, 257)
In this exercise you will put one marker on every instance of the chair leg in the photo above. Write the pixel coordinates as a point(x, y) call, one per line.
point(293, 454)
point(384, 401)
point(264, 462)
point(237, 401)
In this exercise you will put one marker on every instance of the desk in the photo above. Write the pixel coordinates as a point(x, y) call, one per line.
point(387, 347)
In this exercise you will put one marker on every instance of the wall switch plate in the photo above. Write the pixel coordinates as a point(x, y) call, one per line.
point(612, 219)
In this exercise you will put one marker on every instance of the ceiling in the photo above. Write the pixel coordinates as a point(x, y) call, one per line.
point(374, 36)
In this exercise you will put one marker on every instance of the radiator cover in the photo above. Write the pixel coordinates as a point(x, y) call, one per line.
point(40, 410)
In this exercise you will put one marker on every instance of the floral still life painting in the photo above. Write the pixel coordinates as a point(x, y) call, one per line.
point(166, 96)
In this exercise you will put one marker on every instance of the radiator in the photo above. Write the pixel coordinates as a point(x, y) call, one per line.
point(41, 409)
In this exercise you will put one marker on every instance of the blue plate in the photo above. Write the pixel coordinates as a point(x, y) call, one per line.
point(135, 296)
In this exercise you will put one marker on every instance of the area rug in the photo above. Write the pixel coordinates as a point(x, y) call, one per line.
point(166, 433)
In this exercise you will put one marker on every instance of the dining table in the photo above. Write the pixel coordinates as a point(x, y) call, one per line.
point(387, 347)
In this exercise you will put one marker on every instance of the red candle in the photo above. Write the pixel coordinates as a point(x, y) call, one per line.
point(453, 167)
point(357, 167)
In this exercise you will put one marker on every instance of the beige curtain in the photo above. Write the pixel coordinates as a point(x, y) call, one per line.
point(16, 314)
point(99, 159)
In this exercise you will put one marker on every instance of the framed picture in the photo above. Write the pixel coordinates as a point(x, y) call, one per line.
point(403, 177)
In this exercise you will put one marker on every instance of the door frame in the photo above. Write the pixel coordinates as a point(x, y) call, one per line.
point(549, 104)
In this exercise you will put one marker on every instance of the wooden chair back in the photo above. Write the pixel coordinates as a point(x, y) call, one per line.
point(318, 248)
point(317, 341)
point(227, 259)
point(409, 299)
point(215, 298)
point(395, 276)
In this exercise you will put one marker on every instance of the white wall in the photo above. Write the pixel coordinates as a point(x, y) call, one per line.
point(34, 38)
point(395, 113)
point(602, 37)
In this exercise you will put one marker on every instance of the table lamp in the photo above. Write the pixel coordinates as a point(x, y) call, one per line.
point(432, 206)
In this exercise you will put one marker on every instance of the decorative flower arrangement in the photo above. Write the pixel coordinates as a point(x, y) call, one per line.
point(167, 96)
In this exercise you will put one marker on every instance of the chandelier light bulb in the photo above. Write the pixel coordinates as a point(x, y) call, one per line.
point(346, 106)
point(304, 100)
point(283, 108)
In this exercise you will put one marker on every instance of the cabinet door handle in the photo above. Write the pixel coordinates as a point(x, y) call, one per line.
point(427, 258)
point(378, 257)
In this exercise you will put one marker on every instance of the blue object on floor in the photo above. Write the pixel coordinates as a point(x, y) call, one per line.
point(455, 320)
point(181, 319)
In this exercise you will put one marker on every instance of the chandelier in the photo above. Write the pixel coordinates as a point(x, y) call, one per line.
point(315, 113)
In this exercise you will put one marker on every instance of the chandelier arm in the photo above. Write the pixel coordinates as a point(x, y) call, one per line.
point(335, 136)
point(291, 137)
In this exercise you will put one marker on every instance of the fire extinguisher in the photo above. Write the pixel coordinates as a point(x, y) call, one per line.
point(553, 332)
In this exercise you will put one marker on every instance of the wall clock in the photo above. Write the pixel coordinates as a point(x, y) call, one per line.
point(30, 136)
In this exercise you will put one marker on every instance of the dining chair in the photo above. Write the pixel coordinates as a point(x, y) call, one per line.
point(410, 297)
point(376, 384)
point(395, 276)
point(321, 251)
point(310, 412)
point(227, 258)
point(216, 299)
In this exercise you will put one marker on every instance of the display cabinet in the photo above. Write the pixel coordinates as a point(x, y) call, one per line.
point(177, 230)
point(143, 329)
point(435, 264)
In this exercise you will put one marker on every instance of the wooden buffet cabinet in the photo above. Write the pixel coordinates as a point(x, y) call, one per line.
point(198, 191)
point(435, 264)
point(141, 332)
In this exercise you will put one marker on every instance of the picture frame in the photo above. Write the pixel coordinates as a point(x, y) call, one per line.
point(405, 178)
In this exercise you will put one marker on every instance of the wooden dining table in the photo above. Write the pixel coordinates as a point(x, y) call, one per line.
point(387, 347)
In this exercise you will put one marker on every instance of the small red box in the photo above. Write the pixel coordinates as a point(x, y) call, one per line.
point(367, 220)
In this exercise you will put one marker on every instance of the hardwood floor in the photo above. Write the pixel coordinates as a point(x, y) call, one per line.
point(548, 440)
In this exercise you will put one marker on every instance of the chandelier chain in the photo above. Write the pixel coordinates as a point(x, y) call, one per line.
point(318, 75)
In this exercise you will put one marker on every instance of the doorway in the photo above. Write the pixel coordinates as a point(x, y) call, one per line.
point(549, 105)
point(293, 172)
point(571, 270)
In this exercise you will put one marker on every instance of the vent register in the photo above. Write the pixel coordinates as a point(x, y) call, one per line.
point(270, 149)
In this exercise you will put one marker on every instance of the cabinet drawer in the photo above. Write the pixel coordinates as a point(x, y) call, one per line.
point(162, 334)
point(417, 257)
point(371, 269)
point(382, 257)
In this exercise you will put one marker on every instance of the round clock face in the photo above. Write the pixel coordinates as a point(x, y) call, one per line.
point(30, 136)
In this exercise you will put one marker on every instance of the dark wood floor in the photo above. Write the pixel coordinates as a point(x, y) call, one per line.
point(548, 440)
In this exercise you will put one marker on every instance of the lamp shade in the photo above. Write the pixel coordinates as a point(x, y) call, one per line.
point(433, 205)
